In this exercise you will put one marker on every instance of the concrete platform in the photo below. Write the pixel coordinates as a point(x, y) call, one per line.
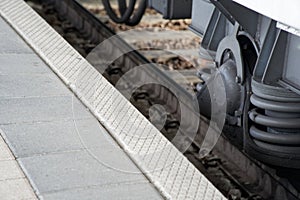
point(71, 132)
point(64, 151)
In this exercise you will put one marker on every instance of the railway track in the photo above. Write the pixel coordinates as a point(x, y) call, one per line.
point(229, 169)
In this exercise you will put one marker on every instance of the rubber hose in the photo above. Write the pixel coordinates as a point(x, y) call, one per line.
point(138, 14)
point(125, 11)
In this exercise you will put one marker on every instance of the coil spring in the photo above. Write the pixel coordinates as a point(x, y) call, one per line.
point(276, 124)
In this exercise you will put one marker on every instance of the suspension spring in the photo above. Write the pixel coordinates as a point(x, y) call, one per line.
point(276, 122)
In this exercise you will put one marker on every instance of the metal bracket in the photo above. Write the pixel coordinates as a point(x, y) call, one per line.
point(231, 43)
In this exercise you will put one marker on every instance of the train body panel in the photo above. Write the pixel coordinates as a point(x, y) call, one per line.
point(286, 13)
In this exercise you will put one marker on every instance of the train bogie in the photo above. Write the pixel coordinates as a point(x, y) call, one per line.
point(255, 47)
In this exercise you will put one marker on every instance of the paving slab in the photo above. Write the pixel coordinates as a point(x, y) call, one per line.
point(38, 109)
point(78, 169)
point(16, 63)
point(28, 85)
point(13, 184)
point(110, 192)
point(11, 42)
point(10, 169)
point(5, 153)
point(16, 189)
point(29, 139)
point(6, 28)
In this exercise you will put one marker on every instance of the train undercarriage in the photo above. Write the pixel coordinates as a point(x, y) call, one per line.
point(255, 47)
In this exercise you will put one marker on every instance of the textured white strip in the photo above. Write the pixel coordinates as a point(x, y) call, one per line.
point(161, 162)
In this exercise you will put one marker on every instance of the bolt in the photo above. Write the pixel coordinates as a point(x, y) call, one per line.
point(238, 113)
point(238, 79)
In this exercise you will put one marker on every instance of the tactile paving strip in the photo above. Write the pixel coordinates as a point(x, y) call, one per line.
point(172, 174)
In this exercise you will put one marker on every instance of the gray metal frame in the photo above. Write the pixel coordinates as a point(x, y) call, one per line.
point(172, 9)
